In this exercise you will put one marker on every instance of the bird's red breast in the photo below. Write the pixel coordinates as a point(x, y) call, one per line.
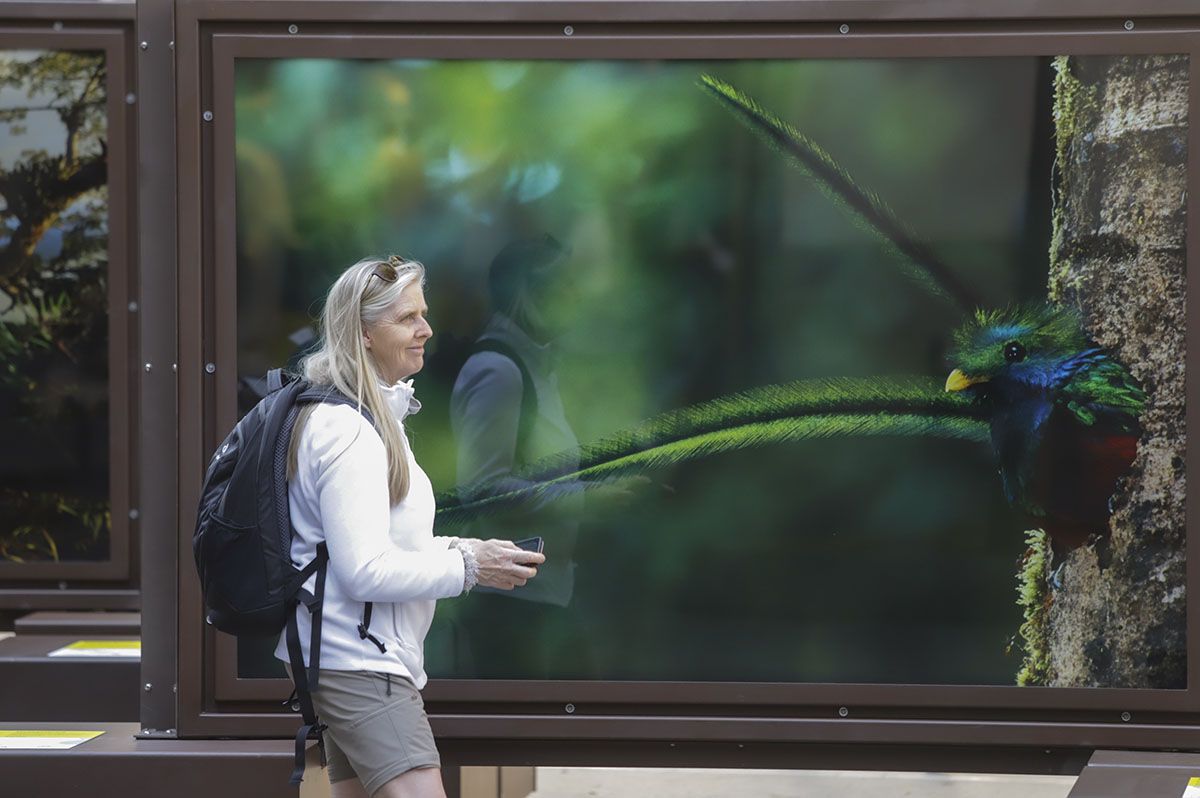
point(1075, 475)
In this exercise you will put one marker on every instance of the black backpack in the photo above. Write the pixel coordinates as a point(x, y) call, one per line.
point(243, 541)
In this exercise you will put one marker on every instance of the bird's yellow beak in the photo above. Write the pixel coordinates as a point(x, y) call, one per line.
point(958, 380)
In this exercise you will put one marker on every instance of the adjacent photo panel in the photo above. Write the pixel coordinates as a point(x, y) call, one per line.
point(55, 502)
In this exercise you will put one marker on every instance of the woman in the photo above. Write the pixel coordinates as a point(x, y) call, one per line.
point(357, 487)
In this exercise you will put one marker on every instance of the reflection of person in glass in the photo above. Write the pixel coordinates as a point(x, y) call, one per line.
point(355, 485)
point(506, 411)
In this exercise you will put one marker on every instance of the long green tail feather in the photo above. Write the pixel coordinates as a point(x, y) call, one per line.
point(923, 264)
point(804, 410)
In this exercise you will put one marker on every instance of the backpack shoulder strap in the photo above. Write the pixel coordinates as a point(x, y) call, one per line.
point(327, 394)
point(529, 402)
point(306, 678)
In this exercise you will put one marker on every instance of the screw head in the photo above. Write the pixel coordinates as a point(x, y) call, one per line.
point(843, 712)
point(133, 306)
point(293, 29)
point(1126, 717)
point(208, 116)
point(569, 31)
point(62, 585)
point(1129, 24)
point(149, 366)
point(147, 687)
point(130, 98)
point(844, 28)
point(570, 708)
point(134, 514)
point(145, 45)
point(295, 706)
point(57, 26)
point(211, 368)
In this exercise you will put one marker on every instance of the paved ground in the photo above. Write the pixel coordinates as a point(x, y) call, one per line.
point(666, 783)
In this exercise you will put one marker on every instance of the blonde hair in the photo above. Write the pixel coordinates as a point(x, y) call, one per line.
point(356, 300)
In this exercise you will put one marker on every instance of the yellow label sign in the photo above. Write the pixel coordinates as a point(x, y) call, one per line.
point(87, 735)
point(44, 739)
point(130, 649)
point(88, 644)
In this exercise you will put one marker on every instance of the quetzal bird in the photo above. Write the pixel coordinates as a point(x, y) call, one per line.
point(1061, 413)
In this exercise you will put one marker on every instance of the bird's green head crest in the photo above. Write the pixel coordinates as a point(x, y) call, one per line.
point(1026, 343)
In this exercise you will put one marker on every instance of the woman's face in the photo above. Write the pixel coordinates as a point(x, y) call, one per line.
point(397, 341)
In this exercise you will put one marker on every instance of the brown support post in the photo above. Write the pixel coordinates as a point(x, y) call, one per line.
point(156, 436)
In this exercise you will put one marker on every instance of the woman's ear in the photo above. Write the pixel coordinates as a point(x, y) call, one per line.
point(366, 339)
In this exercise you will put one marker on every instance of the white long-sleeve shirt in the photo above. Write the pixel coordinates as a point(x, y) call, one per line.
point(377, 552)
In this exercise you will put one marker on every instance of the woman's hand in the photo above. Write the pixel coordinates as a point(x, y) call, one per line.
point(502, 564)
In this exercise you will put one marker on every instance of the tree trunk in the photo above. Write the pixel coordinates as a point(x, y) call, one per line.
point(1118, 616)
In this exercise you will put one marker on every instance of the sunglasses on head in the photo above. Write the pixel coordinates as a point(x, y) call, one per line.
point(388, 270)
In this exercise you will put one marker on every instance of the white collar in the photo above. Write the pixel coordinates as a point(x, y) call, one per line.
point(400, 398)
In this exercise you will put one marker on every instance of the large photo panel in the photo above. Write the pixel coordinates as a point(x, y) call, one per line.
point(856, 370)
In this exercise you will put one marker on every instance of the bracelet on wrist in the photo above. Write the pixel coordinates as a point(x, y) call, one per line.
point(470, 564)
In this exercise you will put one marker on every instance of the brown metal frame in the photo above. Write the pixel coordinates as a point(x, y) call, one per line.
point(95, 26)
point(975, 727)
point(158, 390)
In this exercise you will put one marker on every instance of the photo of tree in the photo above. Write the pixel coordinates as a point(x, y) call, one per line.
point(806, 371)
point(54, 503)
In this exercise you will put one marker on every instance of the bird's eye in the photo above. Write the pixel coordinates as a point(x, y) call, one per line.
point(1014, 352)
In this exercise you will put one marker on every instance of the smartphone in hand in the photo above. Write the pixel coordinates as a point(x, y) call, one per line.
point(531, 544)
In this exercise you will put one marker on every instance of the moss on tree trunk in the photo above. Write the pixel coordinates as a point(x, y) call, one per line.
point(1118, 618)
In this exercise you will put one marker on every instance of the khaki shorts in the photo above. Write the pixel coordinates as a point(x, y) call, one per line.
point(373, 736)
